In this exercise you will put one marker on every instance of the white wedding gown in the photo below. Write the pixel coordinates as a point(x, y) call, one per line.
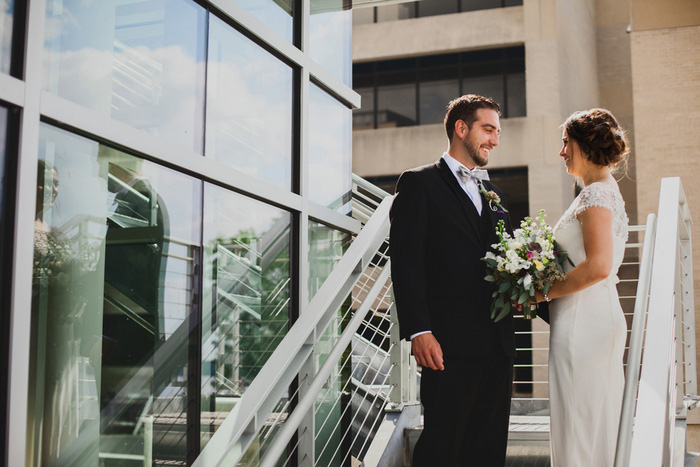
point(586, 346)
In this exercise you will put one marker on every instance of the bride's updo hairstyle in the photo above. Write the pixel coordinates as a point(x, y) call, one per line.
point(599, 136)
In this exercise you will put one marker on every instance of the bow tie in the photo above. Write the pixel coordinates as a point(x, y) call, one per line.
point(476, 174)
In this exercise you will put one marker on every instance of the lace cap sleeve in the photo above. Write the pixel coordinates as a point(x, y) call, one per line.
point(605, 196)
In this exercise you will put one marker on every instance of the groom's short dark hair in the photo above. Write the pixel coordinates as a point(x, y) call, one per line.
point(464, 108)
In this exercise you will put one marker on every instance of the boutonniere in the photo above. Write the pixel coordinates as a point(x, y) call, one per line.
point(493, 199)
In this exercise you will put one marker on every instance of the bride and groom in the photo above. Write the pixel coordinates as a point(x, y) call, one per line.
point(442, 227)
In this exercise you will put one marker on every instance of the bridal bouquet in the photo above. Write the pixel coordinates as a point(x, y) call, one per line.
point(527, 261)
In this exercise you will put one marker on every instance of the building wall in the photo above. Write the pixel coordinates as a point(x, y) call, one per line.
point(666, 92)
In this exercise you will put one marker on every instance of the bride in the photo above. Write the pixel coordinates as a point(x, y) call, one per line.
point(587, 326)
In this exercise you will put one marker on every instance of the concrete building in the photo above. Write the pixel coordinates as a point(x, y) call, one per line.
point(638, 58)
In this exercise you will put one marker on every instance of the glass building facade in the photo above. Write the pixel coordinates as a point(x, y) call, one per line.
point(176, 180)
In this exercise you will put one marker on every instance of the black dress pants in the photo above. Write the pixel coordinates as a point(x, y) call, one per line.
point(466, 408)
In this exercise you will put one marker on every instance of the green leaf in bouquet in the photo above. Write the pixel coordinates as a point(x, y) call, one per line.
point(491, 262)
point(523, 298)
point(499, 302)
point(503, 287)
point(504, 312)
point(490, 278)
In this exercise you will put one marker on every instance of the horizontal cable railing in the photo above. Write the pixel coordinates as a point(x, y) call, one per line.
point(668, 373)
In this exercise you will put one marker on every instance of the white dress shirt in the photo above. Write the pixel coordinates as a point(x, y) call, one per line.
point(470, 188)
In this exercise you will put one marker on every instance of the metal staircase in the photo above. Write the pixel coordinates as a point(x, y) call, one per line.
point(341, 388)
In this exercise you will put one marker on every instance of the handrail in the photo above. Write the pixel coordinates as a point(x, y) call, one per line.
point(653, 436)
point(634, 355)
point(282, 437)
point(229, 443)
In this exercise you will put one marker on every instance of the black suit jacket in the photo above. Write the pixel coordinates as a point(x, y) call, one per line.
point(437, 241)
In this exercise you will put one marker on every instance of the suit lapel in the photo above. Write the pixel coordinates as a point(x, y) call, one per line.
point(493, 216)
point(470, 212)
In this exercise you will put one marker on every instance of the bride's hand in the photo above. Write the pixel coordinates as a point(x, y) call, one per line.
point(539, 296)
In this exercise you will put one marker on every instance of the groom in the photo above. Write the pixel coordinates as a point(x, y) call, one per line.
point(442, 225)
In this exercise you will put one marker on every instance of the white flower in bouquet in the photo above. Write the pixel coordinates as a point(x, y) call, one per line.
point(522, 263)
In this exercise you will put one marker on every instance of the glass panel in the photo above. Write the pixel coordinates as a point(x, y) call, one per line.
point(489, 86)
point(275, 14)
point(7, 8)
point(516, 95)
point(437, 7)
point(396, 105)
point(326, 247)
point(330, 29)
point(362, 16)
point(139, 62)
point(330, 151)
point(6, 228)
point(249, 107)
point(473, 5)
point(246, 309)
point(115, 261)
point(396, 11)
point(437, 86)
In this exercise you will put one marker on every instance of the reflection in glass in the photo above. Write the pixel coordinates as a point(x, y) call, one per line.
point(116, 242)
point(330, 39)
point(515, 83)
point(326, 247)
point(275, 14)
point(247, 283)
point(396, 105)
point(249, 107)
point(489, 86)
point(330, 151)
point(7, 8)
point(139, 62)
point(393, 12)
point(434, 96)
point(437, 7)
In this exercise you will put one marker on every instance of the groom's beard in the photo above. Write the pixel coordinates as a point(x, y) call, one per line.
point(473, 151)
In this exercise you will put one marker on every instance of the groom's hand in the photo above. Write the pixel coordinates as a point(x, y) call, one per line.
point(427, 351)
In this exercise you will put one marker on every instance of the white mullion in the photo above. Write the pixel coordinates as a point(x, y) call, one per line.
point(12, 90)
point(21, 293)
point(306, 429)
point(301, 58)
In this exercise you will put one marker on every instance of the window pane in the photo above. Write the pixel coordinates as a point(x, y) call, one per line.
point(115, 255)
point(396, 105)
point(516, 95)
point(247, 265)
point(437, 86)
point(139, 62)
point(363, 118)
point(330, 151)
point(7, 8)
point(275, 14)
point(473, 5)
point(488, 86)
point(362, 16)
point(396, 11)
point(249, 107)
point(437, 7)
point(331, 37)
point(326, 247)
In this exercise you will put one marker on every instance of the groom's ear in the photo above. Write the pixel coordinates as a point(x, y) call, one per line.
point(461, 129)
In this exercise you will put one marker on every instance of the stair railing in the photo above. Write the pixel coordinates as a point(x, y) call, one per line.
point(230, 442)
point(668, 370)
point(634, 353)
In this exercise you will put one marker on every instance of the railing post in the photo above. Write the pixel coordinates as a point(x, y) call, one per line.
point(403, 368)
point(653, 434)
